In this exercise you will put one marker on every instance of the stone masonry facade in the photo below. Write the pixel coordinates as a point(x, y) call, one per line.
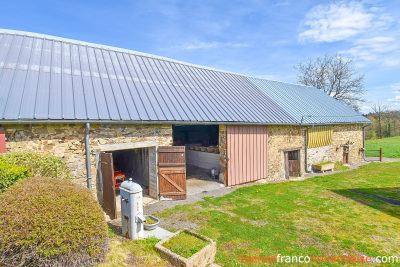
point(281, 139)
point(285, 138)
point(67, 141)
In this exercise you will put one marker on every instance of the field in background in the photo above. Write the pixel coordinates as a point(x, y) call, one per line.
point(390, 147)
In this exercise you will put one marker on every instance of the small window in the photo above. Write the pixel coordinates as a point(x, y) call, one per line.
point(320, 136)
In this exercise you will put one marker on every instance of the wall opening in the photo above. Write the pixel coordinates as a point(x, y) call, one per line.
point(139, 163)
point(133, 163)
point(292, 163)
point(202, 155)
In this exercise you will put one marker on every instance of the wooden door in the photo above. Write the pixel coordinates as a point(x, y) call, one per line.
point(172, 171)
point(293, 163)
point(107, 172)
point(247, 157)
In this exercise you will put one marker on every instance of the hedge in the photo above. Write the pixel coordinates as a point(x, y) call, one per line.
point(40, 165)
point(51, 222)
point(11, 173)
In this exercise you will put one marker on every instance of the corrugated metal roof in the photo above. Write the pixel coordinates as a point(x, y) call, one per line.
point(50, 78)
point(308, 105)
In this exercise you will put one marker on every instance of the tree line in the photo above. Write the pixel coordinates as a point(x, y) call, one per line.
point(385, 122)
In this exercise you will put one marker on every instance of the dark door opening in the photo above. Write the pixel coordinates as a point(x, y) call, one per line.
point(138, 164)
point(202, 151)
point(292, 164)
point(201, 143)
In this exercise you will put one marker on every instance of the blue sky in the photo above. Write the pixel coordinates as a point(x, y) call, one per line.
point(252, 37)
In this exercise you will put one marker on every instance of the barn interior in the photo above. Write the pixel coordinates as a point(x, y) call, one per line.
point(133, 163)
point(202, 154)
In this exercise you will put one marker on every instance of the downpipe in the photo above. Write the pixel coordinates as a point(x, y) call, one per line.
point(88, 167)
point(306, 148)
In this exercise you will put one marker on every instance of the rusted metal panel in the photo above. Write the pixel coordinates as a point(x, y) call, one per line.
point(172, 171)
point(107, 170)
point(247, 148)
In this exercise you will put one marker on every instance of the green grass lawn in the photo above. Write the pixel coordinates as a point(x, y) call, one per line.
point(312, 217)
point(390, 147)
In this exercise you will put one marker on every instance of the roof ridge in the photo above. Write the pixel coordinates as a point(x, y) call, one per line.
point(281, 82)
point(128, 51)
point(107, 47)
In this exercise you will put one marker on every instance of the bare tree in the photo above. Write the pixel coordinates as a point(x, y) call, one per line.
point(336, 76)
point(380, 111)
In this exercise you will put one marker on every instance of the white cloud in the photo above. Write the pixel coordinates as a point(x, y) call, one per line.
point(372, 34)
point(396, 98)
point(208, 45)
point(336, 21)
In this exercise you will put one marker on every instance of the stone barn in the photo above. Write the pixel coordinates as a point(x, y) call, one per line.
point(105, 110)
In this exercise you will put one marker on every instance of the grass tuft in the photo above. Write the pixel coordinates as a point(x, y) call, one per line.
point(185, 244)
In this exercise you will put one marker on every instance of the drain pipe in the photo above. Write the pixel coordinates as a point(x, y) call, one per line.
point(306, 148)
point(88, 168)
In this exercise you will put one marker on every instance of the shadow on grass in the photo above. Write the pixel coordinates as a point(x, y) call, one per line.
point(386, 200)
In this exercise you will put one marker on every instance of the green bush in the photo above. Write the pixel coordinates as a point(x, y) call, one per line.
point(40, 165)
point(51, 222)
point(11, 173)
point(373, 134)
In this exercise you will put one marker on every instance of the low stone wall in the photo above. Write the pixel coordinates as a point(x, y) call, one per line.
point(67, 141)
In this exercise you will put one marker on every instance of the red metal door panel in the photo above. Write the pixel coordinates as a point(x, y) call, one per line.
point(2, 141)
point(247, 153)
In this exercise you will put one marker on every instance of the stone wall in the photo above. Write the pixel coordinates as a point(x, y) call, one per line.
point(67, 141)
point(222, 147)
point(281, 139)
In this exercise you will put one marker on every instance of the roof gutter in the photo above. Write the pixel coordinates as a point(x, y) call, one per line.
point(166, 122)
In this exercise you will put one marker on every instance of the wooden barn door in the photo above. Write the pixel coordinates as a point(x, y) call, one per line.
point(292, 164)
point(107, 172)
point(247, 153)
point(172, 171)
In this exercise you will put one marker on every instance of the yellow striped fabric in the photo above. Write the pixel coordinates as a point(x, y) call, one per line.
point(320, 136)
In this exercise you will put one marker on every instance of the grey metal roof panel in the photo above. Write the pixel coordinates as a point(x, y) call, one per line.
point(308, 105)
point(50, 78)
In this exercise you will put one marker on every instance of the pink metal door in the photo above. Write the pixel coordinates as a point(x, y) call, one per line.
point(247, 153)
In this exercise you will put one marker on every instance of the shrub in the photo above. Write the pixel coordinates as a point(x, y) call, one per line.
point(40, 165)
point(373, 134)
point(11, 173)
point(51, 222)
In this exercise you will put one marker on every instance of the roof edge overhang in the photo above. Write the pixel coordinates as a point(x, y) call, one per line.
point(169, 122)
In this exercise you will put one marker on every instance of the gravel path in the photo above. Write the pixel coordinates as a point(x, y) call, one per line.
point(384, 160)
point(162, 205)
